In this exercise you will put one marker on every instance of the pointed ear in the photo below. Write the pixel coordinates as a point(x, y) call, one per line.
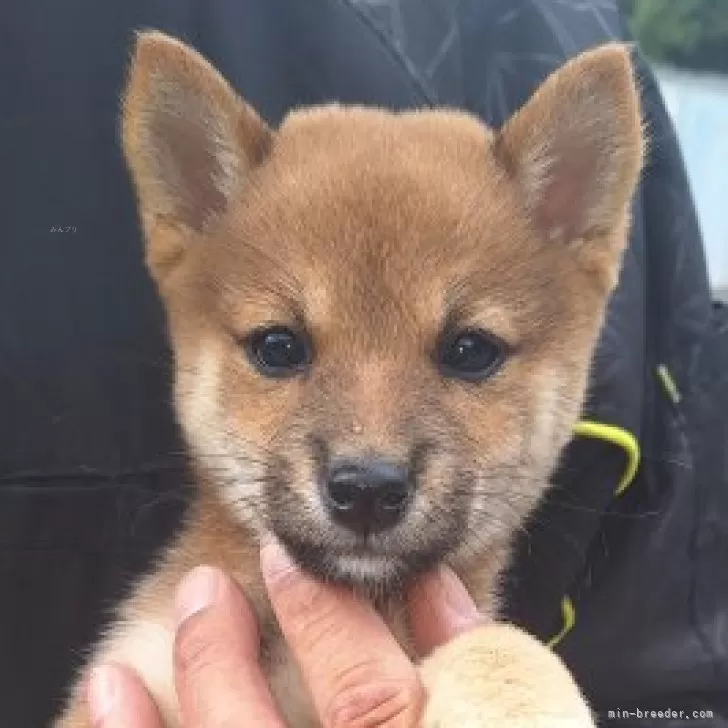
point(189, 140)
point(575, 149)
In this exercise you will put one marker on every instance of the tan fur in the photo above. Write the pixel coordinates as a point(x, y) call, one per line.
point(372, 229)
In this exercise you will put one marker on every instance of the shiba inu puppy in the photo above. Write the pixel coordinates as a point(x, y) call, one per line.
point(383, 325)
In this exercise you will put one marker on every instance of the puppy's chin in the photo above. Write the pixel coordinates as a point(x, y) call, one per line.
point(368, 570)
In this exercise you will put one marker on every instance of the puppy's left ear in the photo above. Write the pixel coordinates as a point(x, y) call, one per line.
point(575, 151)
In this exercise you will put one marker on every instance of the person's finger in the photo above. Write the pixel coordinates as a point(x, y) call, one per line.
point(117, 699)
point(356, 671)
point(219, 681)
point(440, 609)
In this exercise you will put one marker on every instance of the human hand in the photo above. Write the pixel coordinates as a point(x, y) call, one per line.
point(355, 670)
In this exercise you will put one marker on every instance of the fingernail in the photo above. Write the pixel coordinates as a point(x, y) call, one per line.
point(103, 693)
point(455, 594)
point(274, 561)
point(197, 591)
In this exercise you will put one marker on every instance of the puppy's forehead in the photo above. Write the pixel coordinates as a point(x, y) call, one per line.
point(356, 182)
point(336, 130)
point(370, 157)
point(361, 206)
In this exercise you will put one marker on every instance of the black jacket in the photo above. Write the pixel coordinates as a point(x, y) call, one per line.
point(632, 588)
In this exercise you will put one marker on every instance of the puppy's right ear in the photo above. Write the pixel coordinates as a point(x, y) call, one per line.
point(189, 141)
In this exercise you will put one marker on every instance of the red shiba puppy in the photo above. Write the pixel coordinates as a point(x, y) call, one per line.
point(383, 326)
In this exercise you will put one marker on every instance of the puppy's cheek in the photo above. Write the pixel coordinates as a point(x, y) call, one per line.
point(292, 497)
point(294, 482)
point(495, 434)
point(545, 430)
point(556, 406)
point(197, 395)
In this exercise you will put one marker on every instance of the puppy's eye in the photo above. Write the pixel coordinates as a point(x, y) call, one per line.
point(278, 351)
point(471, 355)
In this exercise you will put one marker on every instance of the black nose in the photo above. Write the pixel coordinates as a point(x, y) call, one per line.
point(368, 495)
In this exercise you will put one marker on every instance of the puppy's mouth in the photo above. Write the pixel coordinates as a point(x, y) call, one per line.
point(365, 566)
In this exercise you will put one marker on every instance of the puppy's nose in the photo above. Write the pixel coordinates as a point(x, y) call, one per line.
point(368, 495)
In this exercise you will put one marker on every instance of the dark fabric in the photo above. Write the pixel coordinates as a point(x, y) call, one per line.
point(92, 479)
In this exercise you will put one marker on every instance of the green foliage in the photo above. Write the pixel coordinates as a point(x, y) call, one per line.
point(690, 33)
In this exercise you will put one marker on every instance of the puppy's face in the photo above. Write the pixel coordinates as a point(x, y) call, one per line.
point(383, 323)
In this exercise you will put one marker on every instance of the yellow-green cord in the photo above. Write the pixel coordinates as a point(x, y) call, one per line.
point(669, 384)
point(628, 442)
point(568, 615)
point(616, 436)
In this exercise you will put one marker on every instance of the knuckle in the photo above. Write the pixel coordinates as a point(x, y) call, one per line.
point(283, 580)
point(292, 589)
point(376, 703)
point(305, 608)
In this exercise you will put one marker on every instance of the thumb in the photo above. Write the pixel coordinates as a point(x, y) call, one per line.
point(440, 609)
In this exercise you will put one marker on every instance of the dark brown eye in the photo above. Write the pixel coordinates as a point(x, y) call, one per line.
point(278, 351)
point(471, 355)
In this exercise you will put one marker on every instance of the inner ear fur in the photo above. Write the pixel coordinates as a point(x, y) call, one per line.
point(575, 148)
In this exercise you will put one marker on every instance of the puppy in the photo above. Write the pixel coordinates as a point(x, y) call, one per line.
point(383, 325)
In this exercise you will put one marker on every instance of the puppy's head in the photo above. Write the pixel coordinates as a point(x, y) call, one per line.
point(383, 323)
